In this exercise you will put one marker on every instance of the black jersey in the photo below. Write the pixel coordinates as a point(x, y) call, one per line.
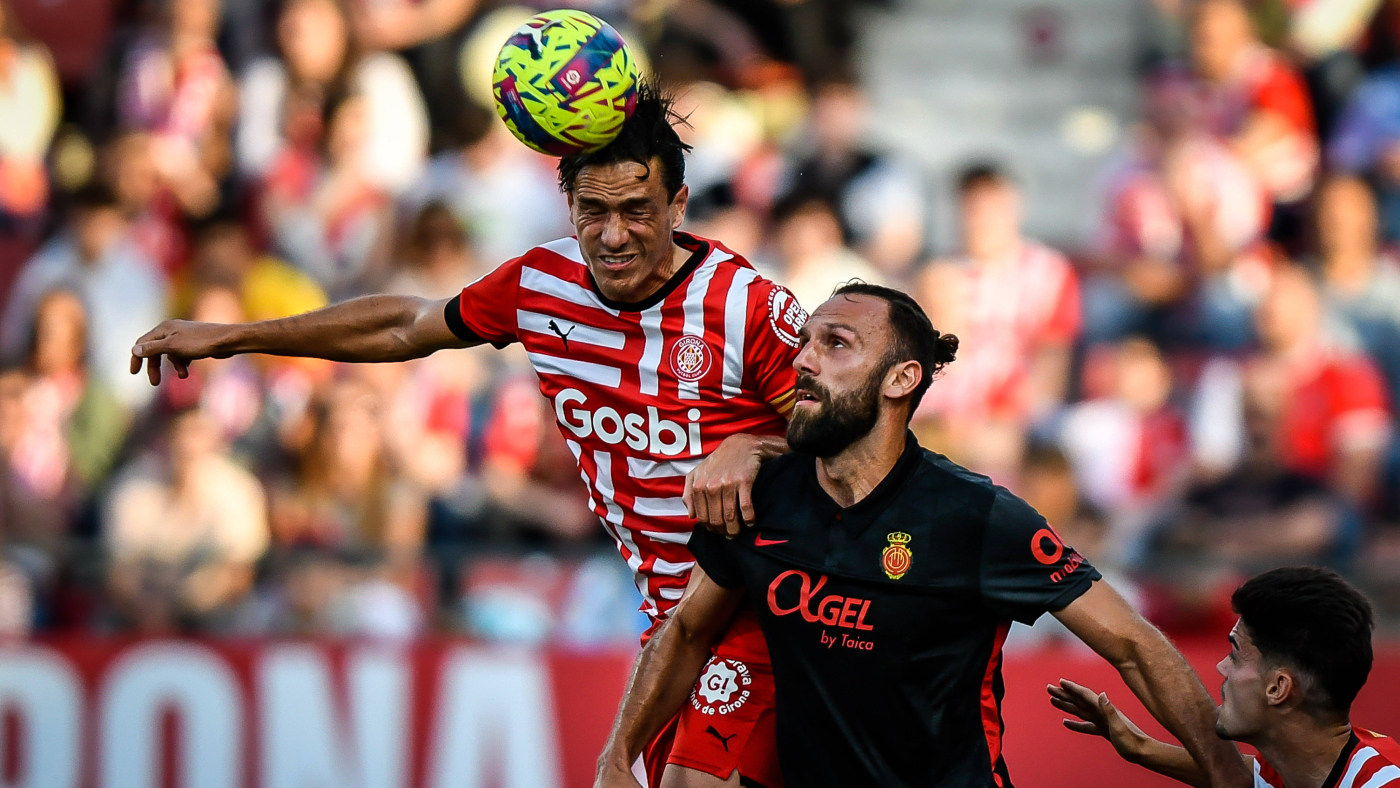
point(885, 620)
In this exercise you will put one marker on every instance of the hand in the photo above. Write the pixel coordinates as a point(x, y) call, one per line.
point(1097, 716)
point(717, 492)
point(614, 775)
point(182, 341)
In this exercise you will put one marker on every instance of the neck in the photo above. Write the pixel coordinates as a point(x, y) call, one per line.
point(1303, 751)
point(855, 472)
point(1350, 270)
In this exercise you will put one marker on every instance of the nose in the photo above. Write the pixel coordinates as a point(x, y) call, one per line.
point(1220, 667)
point(806, 362)
point(614, 234)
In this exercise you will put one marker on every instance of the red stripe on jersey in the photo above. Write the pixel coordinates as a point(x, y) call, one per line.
point(1373, 763)
point(992, 726)
point(642, 395)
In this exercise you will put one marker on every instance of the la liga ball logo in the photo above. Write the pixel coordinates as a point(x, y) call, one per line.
point(896, 558)
point(690, 358)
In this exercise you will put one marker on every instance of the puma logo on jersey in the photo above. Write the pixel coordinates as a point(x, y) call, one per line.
point(564, 335)
point(722, 738)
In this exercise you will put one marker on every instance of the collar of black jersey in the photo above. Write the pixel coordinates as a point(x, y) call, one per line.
point(699, 249)
point(860, 514)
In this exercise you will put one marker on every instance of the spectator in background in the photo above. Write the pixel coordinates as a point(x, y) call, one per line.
point(1367, 141)
point(183, 532)
point(879, 204)
point(346, 494)
point(174, 85)
point(812, 258)
point(266, 287)
point(124, 292)
point(1333, 418)
point(285, 102)
point(1262, 513)
point(1250, 98)
point(30, 105)
point(157, 226)
point(439, 260)
point(335, 224)
point(505, 195)
point(1015, 304)
point(1358, 281)
point(1129, 445)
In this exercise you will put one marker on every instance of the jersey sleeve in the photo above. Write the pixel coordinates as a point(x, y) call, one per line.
point(485, 309)
point(715, 554)
point(1062, 325)
point(771, 341)
point(1026, 568)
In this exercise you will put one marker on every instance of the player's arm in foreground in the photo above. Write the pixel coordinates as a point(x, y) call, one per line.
point(719, 491)
point(665, 673)
point(1097, 716)
point(1165, 683)
point(370, 328)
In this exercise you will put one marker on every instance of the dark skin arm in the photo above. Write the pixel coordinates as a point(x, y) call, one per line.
point(371, 328)
point(1160, 677)
point(665, 672)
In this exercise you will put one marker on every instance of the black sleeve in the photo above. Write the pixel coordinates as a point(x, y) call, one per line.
point(452, 313)
point(1026, 568)
point(715, 554)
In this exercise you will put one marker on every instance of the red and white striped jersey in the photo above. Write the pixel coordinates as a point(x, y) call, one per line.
point(1369, 760)
point(642, 392)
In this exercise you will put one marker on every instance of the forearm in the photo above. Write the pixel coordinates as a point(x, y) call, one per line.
point(370, 328)
point(1169, 760)
point(661, 681)
point(1165, 683)
point(766, 447)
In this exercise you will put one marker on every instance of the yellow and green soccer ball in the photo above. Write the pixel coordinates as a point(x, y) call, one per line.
point(565, 82)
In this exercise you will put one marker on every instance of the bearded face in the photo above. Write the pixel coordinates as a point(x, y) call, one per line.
point(839, 420)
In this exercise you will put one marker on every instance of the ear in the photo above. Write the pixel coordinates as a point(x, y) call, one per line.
point(902, 379)
point(678, 206)
point(1281, 687)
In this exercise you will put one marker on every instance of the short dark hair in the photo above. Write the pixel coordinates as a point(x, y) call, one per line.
point(1315, 622)
point(981, 173)
point(915, 338)
point(649, 134)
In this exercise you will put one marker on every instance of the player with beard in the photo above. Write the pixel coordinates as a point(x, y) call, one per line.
point(885, 578)
point(1299, 654)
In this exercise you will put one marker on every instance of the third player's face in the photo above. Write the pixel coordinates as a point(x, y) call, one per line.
point(1244, 701)
point(624, 222)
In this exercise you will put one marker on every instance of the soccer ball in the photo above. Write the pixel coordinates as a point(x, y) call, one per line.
point(565, 82)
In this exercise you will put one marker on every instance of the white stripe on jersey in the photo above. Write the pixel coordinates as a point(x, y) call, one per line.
point(603, 461)
point(1259, 781)
point(1354, 768)
point(651, 469)
point(573, 368)
point(672, 594)
point(651, 350)
point(736, 315)
point(694, 308)
point(565, 247)
point(588, 335)
point(660, 507)
point(669, 537)
point(1383, 777)
point(551, 285)
point(667, 568)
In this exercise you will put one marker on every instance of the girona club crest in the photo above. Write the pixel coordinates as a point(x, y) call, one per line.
point(690, 358)
point(895, 558)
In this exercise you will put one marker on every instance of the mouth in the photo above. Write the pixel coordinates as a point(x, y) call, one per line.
point(616, 262)
point(805, 397)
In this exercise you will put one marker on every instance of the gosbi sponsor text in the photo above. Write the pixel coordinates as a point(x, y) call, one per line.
point(649, 433)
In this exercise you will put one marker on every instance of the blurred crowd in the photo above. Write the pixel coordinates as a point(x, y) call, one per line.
point(1204, 390)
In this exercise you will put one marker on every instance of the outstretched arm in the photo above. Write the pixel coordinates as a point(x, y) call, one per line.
point(666, 670)
point(371, 328)
point(1161, 678)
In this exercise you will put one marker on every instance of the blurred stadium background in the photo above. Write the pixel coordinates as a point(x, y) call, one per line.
point(1162, 228)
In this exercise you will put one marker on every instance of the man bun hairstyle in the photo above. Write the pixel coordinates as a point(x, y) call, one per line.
point(915, 338)
point(648, 134)
point(1313, 621)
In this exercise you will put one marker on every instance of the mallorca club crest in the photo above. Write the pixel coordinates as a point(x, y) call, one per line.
point(895, 558)
point(690, 358)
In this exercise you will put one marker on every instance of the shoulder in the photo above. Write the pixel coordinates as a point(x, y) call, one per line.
point(1385, 747)
point(939, 476)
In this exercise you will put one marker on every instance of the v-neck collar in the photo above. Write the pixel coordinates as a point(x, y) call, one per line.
point(700, 249)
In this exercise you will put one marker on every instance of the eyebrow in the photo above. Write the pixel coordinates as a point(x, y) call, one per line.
point(1232, 640)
